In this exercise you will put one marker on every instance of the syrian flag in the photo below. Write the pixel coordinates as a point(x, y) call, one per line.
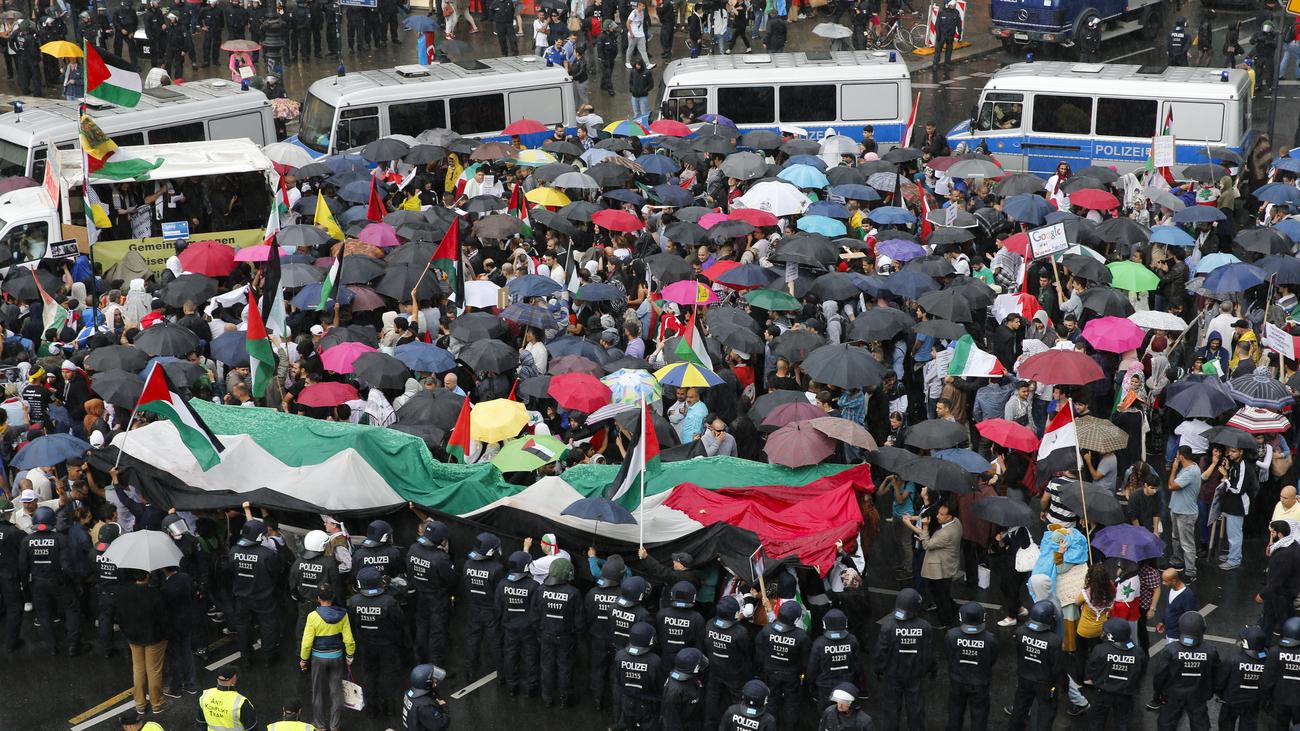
point(159, 398)
point(911, 122)
point(260, 356)
point(375, 208)
point(54, 316)
point(968, 361)
point(1059, 450)
point(111, 78)
point(690, 347)
point(458, 443)
point(641, 460)
point(331, 283)
point(1128, 599)
point(519, 209)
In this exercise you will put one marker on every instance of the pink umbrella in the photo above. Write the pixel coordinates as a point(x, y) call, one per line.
point(787, 413)
point(258, 253)
point(339, 358)
point(319, 395)
point(1113, 334)
point(379, 234)
point(709, 220)
point(689, 292)
point(798, 444)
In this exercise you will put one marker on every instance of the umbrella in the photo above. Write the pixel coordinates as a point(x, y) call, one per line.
point(772, 300)
point(61, 49)
point(492, 151)
point(689, 292)
point(853, 191)
point(1113, 334)
point(1107, 301)
point(1086, 267)
point(1061, 367)
point(477, 326)
point(166, 338)
point(230, 348)
point(342, 358)
point(1213, 261)
point(891, 216)
point(804, 177)
point(600, 510)
point(1237, 277)
point(572, 345)
point(1100, 435)
point(822, 225)
point(1260, 389)
point(574, 364)
point(327, 394)
point(942, 329)
point(617, 220)
point(1259, 421)
point(533, 285)
point(776, 197)
point(1230, 436)
point(195, 288)
point(419, 24)
point(398, 281)
point(914, 285)
point(844, 430)
point(1282, 194)
point(579, 392)
point(835, 286)
point(939, 474)
point(1158, 320)
point(143, 550)
point(529, 453)
point(832, 31)
point(975, 168)
point(1008, 434)
point(379, 234)
point(381, 370)
point(1264, 240)
point(1125, 540)
point(49, 450)
point(308, 298)
point(892, 459)
point(1131, 276)
point(523, 127)
point(120, 388)
point(440, 409)
point(1018, 184)
point(844, 366)
point(791, 412)
point(669, 268)
point(384, 149)
point(350, 334)
point(497, 420)
point(528, 315)
point(1285, 269)
point(1005, 511)
point(420, 155)
point(1171, 236)
point(490, 356)
point(631, 386)
point(424, 357)
point(795, 345)
point(209, 258)
point(744, 166)
point(1199, 397)
point(1031, 209)
point(1098, 200)
point(881, 323)
point(798, 445)
point(295, 235)
point(1102, 506)
point(930, 265)
point(946, 304)
point(964, 458)
point(1196, 214)
point(936, 434)
point(687, 375)
point(116, 357)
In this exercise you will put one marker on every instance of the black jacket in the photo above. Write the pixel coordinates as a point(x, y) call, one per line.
point(640, 81)
point(1284, 573)
point(776, 32)
point(140, 613)
point(181, 602)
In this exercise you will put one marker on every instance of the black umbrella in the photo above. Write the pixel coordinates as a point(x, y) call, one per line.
point(573, 345)
point(579, 211)
point(1107, 301)
point(942, 329)
point(561, 147)
point(806, 248)
point(1230, 436)
point(1122, 231)
point(398, 281)
point(300, 275)
point(439, 409)
point(537, 387)
point(183, 372)
point(931, 265)
point(416, 252)
point(795, 345)
point(424, 155)
point(477, 326)
point(193, 288)
point(350, 334)
point(359, 269)
point(721, 318)
point(881, 323)
point(1105, 175)
point(713, 145)
point(230, 348)
point(663, 430)
point(20, 284)
point(686, 232)
point(844, 366)
point(552, 220)
point(120, 388)
point(1018, 184)
point(742, 340)
point(949, 235)
point(1262, 240)
point(669, 268)
point(399, 218)
point(978, 294)
point(772, 399)
point(800, 146)
point(431, 435)
point(946, 304)
point(901, 154)
point(1076, 183)
point(836, 286)
point(384, 149)
point(1005, 511)
point(938, 474)
point(485, 204)
point(381, 370)
point(1102, 506)
point(1086, 267)
point(116, 357)
point(598, 292)
point(498, 226)
point(609, 174)
point(490, 356)
point(166, 338)
point(892, 459)
point(614, 144)
point(1199, 396)
point(415, 230)
point(936, 434)
point(628, 362)
point(298, 234)
point(761, 139)
point(731, 230)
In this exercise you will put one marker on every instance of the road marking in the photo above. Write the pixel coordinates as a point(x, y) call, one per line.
point(474, 686)
point(924, 85)
point(110, 713)
point(893, 592)
point(83, 720)
point(960, 78)
point(99, 708)
point(223, 661)
point(1205, 612)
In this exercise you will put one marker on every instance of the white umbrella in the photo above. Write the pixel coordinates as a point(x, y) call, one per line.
point(1158, 320)
point(145, 550)
point(838, 145)
point(778, 198)
point(481, 294)
point(1162, 197)
point(580, 181)
point(832, 30)
point(287, 154)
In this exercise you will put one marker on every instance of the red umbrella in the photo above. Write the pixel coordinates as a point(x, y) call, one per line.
point(1113, 334)
point(327, 394)
point(615, 220)
point(524, 127)
point(718, 268)
point(670, 128)
point(1097, 200)
point(208, 258)
point(1061, 368)
point(579, 392)
point(753, 216)
point(574, 364)
point(798, 444)
point(1008, 434)
point(1018, 243)
point(786, 413)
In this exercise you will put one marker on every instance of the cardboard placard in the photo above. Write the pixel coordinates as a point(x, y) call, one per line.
point(1279, 341)
point(1048, 240)
point(791, 271)
point(1162, 151)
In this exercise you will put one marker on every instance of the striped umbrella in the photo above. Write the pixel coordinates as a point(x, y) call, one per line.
point(687, 375)
point(534, 158)
point(1260, 389)
point(632, 386)
point(626, 128)
point(1259, 421)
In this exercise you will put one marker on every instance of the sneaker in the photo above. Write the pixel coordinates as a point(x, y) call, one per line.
point(627, 65)
point(1006, 710)
point(1225, 566)
point(190, 689)
point(653, 65)
point(1078, 710)
point(1024, 612)
point(160, 708)
point(171, 693)
point(27, 607)
point(1008, 622)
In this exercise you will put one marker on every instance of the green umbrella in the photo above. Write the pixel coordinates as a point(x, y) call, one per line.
point(1131, 276)
point(772, 300)
point(528, 453)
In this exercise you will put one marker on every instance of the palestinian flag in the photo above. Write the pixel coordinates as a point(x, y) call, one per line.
point(642, 459)
point(111, 78)
point(446, 259)
point(272, 299)
point(1059, 450)
point(54, 316)
point(261, 359)
point(458, 443)
point(538, 450)
point(159, 398)
point(690, 347)
point(968, 361)
point(105, 160)
point(325, 219)
point(375, 208)
point(331, 283)
point(519, 208)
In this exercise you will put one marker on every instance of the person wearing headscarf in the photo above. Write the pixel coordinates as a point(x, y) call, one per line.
point(138, 303)
point(1056, 186)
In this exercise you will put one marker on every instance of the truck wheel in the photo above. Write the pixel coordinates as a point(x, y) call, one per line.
point(1079, 25)
point(1153, 22)
point(1009, 46)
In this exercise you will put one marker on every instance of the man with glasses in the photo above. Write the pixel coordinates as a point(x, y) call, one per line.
point(716, 440)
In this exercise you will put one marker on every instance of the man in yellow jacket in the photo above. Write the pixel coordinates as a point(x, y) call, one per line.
point(222, 708)
point(327, 642)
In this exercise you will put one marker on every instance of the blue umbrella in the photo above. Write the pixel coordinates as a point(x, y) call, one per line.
point(623, 195)
point(533, 285)
point(658, 164)
point(909, 285)
point(420, 24)
point(1199, 214)
point(1289, 227)
point(747, 275)
point(673, 195)
point(1213, 261)
point(351, 215)
point(891, 216)
point(830, 209)
point(528, 315)
point(1237, 277)
point(308, 298)
point(810, 160)
point(1278, 193)
point(345, 163)
point(1171, 236)
point(598, 293)
point(822, 225)
point(425, 358)
point(1261, 390)
point(1028, 208)
point(358, 191)
point(964, 458)
point(50, 450)
point(1125, 540)
point(570, 345)
point(595, 155)
point(231, 348)
point(804, 176)
point(854, 192)
point(601, 510)
point(1285, 268)
point(1291, 164)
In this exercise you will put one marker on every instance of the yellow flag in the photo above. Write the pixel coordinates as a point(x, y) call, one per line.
point(325, 219)
point(412, 203)
point(99, 216)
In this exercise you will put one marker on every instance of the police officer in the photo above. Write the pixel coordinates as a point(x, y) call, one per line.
point(607, 53)
point(378, 550)
point(317, 24)
point(835, 656)
point(27, 55)
point(256, 574)
point(1183, 676)
point(1240, 681)
point(860, 22)
point(680, 708)
point(749, 713)
point(1282, 687)
point(236, 20)
point(1179, 43)
point(1040, 669)
point(667, 10)
point(1090, 40)
point(478, 588)
point(904, 654)
point(380, 628)
point(357, 29)
point(595, 612)
point(559, 610)
point(432, 574)
point(636, 674)
point(1115, 668)
point(52, 28)
point(44, 559)
point(947, 27)
point(972, 650)
point(371, 18)
point(195, 560)
point(387, 10)
point(331, 12)
point(213, 21)
point(107, 582)
point(300, 35)
point(176, 38)
point(781, 653)
point(515, 611)
point(155, 22)
point(627, 610)
point(222, 707)
point(422, 708)
point(125, 24)
point(503, 24)
point(190, 18)
point(313, 568)
point(729, 649)
point(843, 714)
point(11, 599)
point(678, 625)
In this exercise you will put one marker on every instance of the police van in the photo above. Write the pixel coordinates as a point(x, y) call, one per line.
point(196, 111)
point(1032, 116)
point(815, 91)
point(475, 98)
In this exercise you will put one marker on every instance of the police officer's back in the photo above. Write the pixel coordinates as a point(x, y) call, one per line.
point(11, 602)
point(256, 574)
point(781, 653)
point(1282, 681)
point(559, 609)
point(1040, 669)
point(379, 625)
point(627, 610)
point(1240, 681)
point(107, 583)
point(1090, 39)
point(904, 654)
point(423, 709)
point(637, 677)
point(516, 611)
point(433, 576)
point(478, 586)
point(1183, 676)
point(313, 569)
point(678, 625)
point(44, 560)
point(681, 708)
point(595, 614)
point(972, 651)
point(729, 648)
point(1115, 667)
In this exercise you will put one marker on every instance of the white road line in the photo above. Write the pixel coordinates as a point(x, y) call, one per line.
point(923, 85)
point(110, 713)
point(1205, 612)
point(223, 661)
point(475, 685)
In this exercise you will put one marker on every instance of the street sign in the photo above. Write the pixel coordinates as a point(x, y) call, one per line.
point(1048, 240)
point(359, 3)
point(175, 230)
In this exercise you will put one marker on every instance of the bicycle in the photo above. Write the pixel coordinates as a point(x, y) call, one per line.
point(904, 40)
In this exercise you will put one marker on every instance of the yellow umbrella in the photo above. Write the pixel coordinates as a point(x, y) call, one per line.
point(547, 197)
point(62, 49)
point(534, 158)
point(497, 420)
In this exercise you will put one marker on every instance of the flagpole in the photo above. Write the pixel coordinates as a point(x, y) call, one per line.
point(126, 434)
point(641, 505)
point(1078, 461)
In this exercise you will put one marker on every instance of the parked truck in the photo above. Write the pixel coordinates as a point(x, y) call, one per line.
point(1060, 22)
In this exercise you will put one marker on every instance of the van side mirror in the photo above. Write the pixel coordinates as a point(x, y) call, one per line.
point(974, 115)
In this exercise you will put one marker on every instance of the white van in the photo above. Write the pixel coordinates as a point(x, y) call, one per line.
point(195, 111)
point(473, 98)
point(815, 91)
point(1033, 116)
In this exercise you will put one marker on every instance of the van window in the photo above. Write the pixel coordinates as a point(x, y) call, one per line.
point(868, 102)
point(815, 103)
point(1000, 111)
point(188, 132)
point(248, 125)
point(747, 104)
point(544, 105)
point(13, 159)
point(315, 123)
point(357, 127)
point(1064, 115)
point(25, 242)
point(1126, 117)
point(1198, 121)
point(415, 117)
point(123, 140)
point(38, 155)
point(474, 115)
point(685, 105)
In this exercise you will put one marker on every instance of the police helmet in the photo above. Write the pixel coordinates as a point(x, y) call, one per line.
point(611, 574)
point(1267, 27)
point(971, 616)
point(424, 677)
point(1094, 21)
point(1191, 628)
point(370, 581)
point(1254, 641)
point(1179, 22)
point(1290, 632)
point(907, 605)
point(176, 526)
point(633, 592)
point(787, 615)
point(252, 532)
point(378, 533)
point(107, 534)
point(725, 614)
point(485, 546)
point(43, 519)
point(754, 694)
point(1117, 632)
point(640, 638)
point(518, 563)
point(689, 663)
point(315, 541)
point(682, 595)
point(435, 533)
point(1042, 616)
point(836, 624)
